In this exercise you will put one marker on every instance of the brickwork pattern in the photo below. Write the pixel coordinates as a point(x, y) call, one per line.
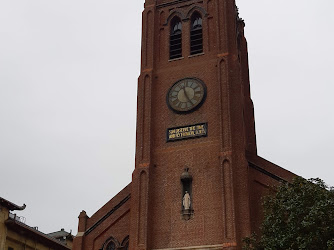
point(229, 178)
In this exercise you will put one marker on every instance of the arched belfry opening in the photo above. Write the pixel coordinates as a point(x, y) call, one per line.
point(196, 34)
point(175, 40)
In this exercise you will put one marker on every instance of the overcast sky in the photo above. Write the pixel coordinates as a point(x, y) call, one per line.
point(68, 87)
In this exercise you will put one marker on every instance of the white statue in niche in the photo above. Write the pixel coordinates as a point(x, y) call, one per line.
point(186, 201)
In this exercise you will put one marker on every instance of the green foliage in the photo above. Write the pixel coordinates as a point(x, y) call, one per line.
point(250, 243)
point(299, 216)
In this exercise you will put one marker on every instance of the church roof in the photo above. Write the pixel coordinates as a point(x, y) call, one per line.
point(108, 209)
point(268, 168)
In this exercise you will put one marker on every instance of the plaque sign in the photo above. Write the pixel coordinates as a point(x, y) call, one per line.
point(187, 132)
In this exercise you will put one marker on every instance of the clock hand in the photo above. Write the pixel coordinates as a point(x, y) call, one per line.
point(185, 93)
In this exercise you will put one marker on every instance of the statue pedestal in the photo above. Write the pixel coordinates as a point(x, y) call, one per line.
point(187, 214)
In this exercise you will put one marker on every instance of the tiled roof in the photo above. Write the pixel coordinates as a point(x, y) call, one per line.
point(33, 233)
point(11, 206)
point(59, 234)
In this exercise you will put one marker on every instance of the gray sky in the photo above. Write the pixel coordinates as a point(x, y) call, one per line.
point(68, 86)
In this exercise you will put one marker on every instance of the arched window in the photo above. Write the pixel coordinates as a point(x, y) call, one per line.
point(111, 246)
point(125, 243)
point(175, 42)
point(126, 246)
point(196, 34)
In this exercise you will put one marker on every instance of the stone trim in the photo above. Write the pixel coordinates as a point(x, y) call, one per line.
point(263, 171)
point(211, 247)
point(121, 203)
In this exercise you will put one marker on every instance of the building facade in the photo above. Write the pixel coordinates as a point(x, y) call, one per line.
point(198, 180)
point(64, 237)
point(16, 235)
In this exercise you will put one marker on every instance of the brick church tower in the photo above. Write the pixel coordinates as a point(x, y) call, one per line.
point(198, 181)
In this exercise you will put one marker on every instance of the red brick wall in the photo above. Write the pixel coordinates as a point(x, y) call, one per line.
point(216, 162)
point(112, 220)
point(229, 179)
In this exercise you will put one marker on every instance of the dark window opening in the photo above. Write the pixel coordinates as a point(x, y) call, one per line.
point(111, 246)
point(175, 42)
point(126, 247)
point(196, 34)
point(125, 243)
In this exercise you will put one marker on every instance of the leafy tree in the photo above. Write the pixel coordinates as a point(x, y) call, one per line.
point(300, 215)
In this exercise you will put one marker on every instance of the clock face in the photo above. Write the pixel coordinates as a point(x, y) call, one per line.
point(186, 95)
